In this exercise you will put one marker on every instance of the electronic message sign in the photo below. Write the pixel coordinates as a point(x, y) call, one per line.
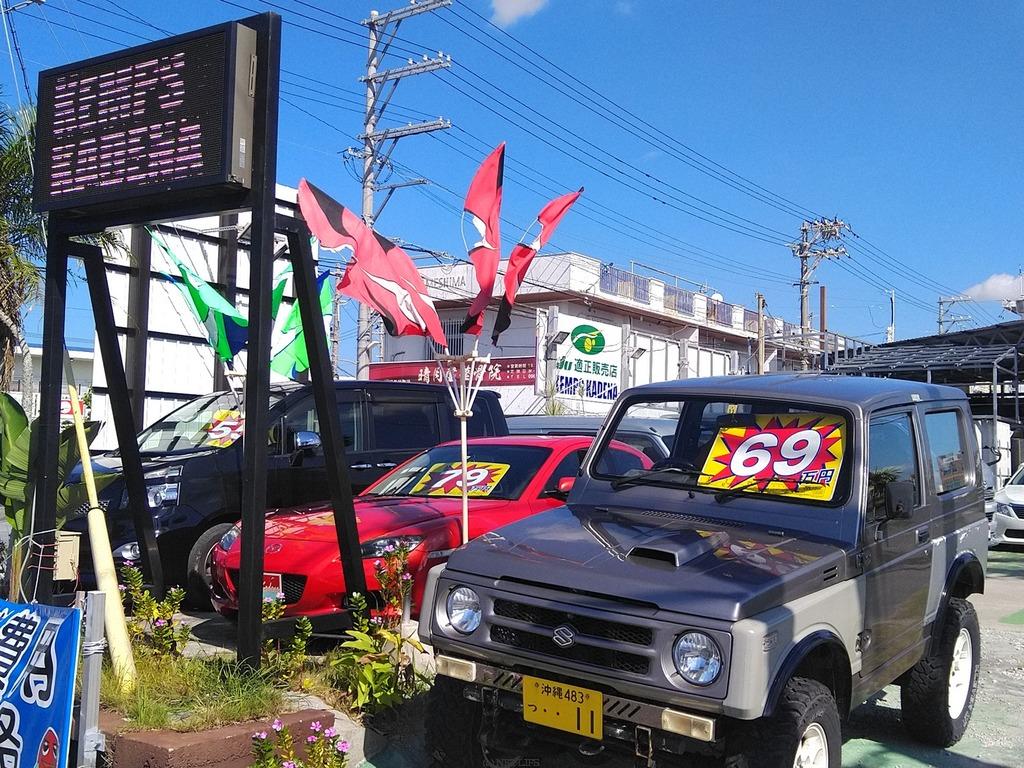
point(161, 122)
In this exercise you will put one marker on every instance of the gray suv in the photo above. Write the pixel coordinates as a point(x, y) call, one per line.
point(808, 541)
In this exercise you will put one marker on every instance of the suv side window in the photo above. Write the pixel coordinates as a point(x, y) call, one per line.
point(946, 447)
point(892, 457)
point(303, 418)
point(404, 424)
point(567, 467)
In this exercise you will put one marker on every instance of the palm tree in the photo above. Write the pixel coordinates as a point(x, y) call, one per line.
point(21, 236)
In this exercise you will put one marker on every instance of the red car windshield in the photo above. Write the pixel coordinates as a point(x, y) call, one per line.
point(493, 472)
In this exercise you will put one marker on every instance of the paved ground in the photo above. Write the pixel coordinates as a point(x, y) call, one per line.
point(875, 737)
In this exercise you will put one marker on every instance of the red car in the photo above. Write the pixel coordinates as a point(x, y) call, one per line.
point(418, 504)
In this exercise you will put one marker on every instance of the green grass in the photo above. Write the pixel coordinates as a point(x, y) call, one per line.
point(191, 694)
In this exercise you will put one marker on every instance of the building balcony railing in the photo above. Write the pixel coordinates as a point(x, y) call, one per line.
point(678, 300)
point(619, 282)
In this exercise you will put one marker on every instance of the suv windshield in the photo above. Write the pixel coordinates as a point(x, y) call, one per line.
point(212, 421)
point(728, 447)
point(493, 471)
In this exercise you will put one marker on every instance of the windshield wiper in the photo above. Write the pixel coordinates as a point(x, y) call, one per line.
point(642, 477)
point(737, 490)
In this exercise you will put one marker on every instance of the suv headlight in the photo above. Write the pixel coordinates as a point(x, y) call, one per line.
point(162, 487)
point(1005, 509)
point(130, 552)
point(230, 537)
point(697, 658)
point(464, 610)
point(379, 547)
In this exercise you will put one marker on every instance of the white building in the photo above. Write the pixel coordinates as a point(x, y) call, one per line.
point(25, 383)
point(640, 329)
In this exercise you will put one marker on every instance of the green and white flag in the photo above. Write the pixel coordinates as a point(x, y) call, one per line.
point(291, 359)
point(226, 327)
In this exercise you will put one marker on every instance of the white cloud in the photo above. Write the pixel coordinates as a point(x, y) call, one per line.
point(998, 287)
point(508, 12)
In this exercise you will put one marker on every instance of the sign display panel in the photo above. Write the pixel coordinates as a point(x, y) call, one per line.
point(446, 479)
point(154, 119)
point(588, 360)
point(796, 454)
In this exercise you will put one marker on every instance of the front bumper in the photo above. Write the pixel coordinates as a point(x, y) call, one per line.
point(625, 719)
point(1005, 529)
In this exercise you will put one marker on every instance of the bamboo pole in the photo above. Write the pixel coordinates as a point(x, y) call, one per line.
point(103, 562)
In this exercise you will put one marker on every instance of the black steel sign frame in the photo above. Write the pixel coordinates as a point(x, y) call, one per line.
point(260, 197)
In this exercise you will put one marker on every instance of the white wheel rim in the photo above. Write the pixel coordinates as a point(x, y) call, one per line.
point(812, 751)
point(960, 669)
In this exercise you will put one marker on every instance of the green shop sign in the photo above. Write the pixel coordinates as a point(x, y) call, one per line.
point(587, 339)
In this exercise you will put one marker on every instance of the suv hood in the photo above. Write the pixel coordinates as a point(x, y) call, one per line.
point(683, 564)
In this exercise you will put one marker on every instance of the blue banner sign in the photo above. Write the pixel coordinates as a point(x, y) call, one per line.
point(38, 664)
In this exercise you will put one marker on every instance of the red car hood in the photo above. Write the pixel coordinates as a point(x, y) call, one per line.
point(375, 516)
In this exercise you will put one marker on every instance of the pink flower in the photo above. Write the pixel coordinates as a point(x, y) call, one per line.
point(129, 563)
point(406, 576)
point(329, 733)
point(311, 739)
point(261, 735)
point(277, 725)
point(342, 746)
point(160, 623)
point(287, 764)
point(315, 726)
point(280, 595)
point(122, 587)
point(389, 549)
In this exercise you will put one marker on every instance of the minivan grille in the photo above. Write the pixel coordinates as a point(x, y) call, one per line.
point(586, 654)
point(600, 628)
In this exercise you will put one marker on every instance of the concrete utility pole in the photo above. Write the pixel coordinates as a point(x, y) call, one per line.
point(947, 321)
point(378, 145)
point(760, 333)
point(813, 248)
point(890, 331)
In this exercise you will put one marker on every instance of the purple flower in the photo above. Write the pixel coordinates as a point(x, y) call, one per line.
point(160, 623)
point(287, 764)
point(280, 595)
point(277, 725)
point(122, 587)
point(329, 733)
point(389, 549)
point(406, 576)
point(261, 735)
point(342, 746)
point(129, 563)
point(376, 563)
point(311, 739)
point(315, 726)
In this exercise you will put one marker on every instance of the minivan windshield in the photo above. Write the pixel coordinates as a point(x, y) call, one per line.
point(493, 471)
point(775, 449)
point(210, 421)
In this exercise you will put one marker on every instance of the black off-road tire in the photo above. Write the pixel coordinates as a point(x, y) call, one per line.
point(197, 577)
point(924, 694)
point(452, 730)
point(772, 742)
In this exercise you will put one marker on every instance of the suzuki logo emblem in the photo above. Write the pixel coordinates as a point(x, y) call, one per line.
point(564, 636)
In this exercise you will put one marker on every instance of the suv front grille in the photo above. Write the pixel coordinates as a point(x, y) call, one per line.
point(600, 628)
point(586, 654)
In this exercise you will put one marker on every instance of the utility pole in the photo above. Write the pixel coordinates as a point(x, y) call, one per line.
point(378, 145)
point(890, 331)
point(813, 248)
point(823, 326)
point(760, 333)
point(947, 321)
point(335, 326)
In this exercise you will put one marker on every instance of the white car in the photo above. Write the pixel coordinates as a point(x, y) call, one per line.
point(1006, 525)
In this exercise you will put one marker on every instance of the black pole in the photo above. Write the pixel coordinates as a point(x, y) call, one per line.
point(44, 449)
point(125, 425)
point(138, 320)
point(332, 439)
point(257, 381)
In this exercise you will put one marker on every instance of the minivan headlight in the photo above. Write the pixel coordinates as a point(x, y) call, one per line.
point(464, 609)
point(162, 487)
point(697, 658)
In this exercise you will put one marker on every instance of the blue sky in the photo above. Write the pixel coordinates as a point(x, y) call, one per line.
point(902, 118)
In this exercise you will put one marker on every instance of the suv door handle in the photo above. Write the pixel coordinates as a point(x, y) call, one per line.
point(386, 465)
point(922, 535)
point(361, 466)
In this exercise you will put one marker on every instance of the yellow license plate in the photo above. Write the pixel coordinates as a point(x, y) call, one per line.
point(562, 706)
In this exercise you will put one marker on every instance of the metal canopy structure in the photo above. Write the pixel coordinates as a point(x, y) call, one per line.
point(988, 357)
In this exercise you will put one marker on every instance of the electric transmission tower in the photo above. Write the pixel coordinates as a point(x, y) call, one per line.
point(378, 144)
point(948, 321)
point(817, 243)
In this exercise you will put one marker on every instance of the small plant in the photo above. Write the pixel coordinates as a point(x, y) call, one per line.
point(375, 666)
point(324, 748)
point(285, 660)
point(152, 623)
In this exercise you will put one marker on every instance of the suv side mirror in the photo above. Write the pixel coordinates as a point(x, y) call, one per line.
point(900, 496)
point(561, 490)
point(303, 444)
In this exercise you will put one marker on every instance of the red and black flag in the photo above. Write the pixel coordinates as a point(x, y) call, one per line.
point(379, 274)
point(483, 204)
point(522, 256)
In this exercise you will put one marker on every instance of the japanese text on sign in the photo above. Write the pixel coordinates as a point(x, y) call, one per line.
point(445, 479)
point(797, 455)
